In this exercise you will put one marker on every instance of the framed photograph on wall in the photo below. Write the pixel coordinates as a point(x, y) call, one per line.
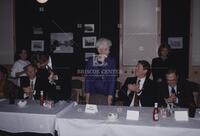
point(89, 42)
point(62, 42)
point(37, 45)
point(88, 28)
point(175, 42)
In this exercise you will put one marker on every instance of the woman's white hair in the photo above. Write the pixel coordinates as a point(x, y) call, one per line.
point(103, 42)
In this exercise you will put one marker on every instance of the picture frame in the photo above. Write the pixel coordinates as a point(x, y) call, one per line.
point(89, 28)
point(175, 42)
point(89, 42)
point(37, 45)
point(62, 42)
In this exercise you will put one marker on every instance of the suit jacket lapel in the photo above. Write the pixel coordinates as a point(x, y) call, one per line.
point(37, 87)
point(178, 91)
point(145, 84)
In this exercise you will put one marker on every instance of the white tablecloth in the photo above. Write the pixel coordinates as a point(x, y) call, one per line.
point(31, 118)
point(75, 122)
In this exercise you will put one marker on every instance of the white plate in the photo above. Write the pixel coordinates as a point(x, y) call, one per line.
point(22, 104)
point(112, 116)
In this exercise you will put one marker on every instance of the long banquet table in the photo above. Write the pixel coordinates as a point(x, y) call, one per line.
point(31, 118)
point(75, 122)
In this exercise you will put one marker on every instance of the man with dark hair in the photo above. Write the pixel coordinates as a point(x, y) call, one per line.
point(175, 90)
point(34, 83)
point(139, 90)
point(146, 66)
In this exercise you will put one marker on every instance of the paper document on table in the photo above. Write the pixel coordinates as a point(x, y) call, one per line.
point(91, 108)
point(181, 115)
point(132, 115)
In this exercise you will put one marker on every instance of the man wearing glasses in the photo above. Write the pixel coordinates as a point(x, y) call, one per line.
point(175, 91)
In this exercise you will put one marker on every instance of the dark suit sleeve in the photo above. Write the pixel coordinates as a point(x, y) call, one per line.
point(42, 84)
point(185, 97)
point(153, 67)
point(161, 93)
point(24, 82)
point(123, 91)
point(148, 96)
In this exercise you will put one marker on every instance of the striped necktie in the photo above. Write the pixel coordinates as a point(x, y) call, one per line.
point(136, 99)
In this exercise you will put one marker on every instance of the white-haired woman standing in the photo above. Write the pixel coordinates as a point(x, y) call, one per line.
point(100, 75)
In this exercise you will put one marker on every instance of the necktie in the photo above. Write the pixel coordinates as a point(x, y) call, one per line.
point(173, 90)
point(136, 100)
point(138, 82)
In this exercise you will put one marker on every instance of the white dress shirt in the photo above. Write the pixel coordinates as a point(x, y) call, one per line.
point(32, 81)
point(170, 92)
point(141, 83)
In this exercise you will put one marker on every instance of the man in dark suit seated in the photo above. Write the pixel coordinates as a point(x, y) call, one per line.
point(34, 83)
point(175, 90)
point(139, 90)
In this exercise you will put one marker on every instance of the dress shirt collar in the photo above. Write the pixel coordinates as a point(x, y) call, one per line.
point(170, 89)
point(33, 80)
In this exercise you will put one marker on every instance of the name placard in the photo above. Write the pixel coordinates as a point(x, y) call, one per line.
point(181, 115)
point(132, 115)
point(91, 108)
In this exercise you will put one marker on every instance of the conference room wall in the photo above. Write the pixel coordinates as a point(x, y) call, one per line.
point(173, 21)
point(7, 43)
point(193, 70)
point(194, 63)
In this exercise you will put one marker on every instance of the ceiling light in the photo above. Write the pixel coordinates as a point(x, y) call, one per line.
point(42, 1)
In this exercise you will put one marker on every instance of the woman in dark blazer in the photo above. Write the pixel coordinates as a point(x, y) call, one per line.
point(161, 63)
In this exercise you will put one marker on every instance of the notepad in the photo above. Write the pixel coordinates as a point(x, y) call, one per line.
point(132, 115)
point(91, 108)
point(181, 115)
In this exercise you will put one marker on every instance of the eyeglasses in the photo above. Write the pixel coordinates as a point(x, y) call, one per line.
point(171, 80)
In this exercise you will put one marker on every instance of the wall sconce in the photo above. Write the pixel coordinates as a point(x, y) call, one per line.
point(42, 1)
